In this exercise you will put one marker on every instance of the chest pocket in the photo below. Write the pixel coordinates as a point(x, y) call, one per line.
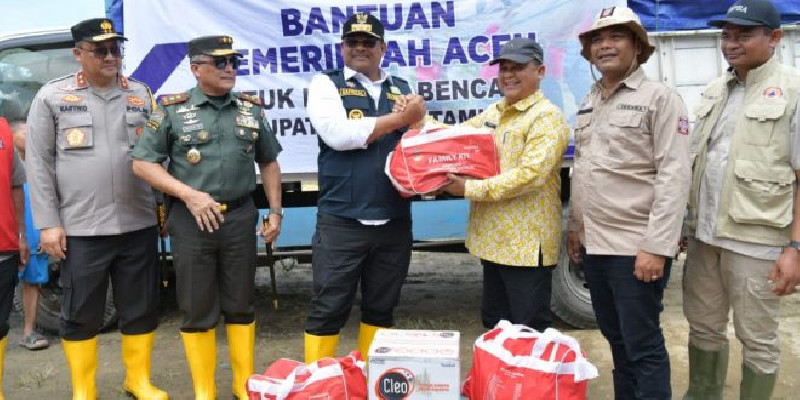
point(582, 134)
point(134, 126)
point(763, 194)
point(761, 119)
point(75, 131)
point(246, 132)
point(629, 138)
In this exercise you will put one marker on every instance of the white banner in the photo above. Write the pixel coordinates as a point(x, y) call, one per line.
point(441, 47)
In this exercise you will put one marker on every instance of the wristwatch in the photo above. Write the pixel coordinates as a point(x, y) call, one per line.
point(795, 245)
point(279, 211)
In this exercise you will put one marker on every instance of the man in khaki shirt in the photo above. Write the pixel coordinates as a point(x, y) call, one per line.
point(744, 239)
point(629, 188)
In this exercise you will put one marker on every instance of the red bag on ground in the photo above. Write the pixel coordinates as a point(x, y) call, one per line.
point(329, 378)
point(514, 362)
point(422, 159)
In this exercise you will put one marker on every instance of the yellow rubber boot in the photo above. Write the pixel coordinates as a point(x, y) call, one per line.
point(241, 345)
point(201, 354)
point(366, 333)
point(136, 351)
point(320, 346)
point(2, 360)
point(82, 360)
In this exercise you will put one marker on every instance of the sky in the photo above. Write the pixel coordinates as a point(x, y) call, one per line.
point(22, 15)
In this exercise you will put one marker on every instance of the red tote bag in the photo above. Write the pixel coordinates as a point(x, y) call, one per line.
point(514, 362)
point(329, 378)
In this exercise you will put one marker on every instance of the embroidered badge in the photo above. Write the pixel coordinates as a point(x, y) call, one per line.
point(683, 125)
point(773, 92)
point(71, 98)
point(75, 137)
point(607, 12)
point(135, 101)
point(355, 114)
point(192, 127)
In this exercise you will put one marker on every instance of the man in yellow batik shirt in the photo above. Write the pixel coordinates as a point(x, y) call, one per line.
point(515, 217)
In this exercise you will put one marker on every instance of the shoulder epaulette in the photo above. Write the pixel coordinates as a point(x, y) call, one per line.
point(60, 78)
point(170, 99)
point(248, 97)
point(131, 79)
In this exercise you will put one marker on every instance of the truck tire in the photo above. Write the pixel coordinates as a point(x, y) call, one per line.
point(571, 301)
point(48, 312)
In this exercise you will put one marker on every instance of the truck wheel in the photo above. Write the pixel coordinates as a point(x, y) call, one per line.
point(571, 300)
point(48, 312)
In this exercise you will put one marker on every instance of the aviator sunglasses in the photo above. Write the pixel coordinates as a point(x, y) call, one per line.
point(101, 52)
point(367, 42)
point(220, 62)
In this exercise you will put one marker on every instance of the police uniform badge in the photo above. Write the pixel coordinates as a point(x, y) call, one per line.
point(106, 26)
point(394, 90)
point(75, 137)
point(71, 98)
point(203, 136)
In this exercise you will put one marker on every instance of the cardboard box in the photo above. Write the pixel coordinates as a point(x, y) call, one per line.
point(414, 364)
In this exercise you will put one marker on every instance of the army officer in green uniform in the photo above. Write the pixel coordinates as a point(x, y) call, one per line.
point(211, 138)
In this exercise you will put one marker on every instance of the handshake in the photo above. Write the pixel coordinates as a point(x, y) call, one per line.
point(412, 107)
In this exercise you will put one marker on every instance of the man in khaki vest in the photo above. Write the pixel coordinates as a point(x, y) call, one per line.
point(744, 239)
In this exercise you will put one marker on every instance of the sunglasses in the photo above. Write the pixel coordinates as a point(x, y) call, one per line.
point(368, 42)
point(101, 52)
point(221, 62)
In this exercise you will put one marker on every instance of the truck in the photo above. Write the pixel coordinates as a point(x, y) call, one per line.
point(443, 46)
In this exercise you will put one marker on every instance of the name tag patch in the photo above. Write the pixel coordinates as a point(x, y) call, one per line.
point(631, 107)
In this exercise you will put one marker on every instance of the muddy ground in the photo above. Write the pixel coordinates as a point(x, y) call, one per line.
point(442, 292)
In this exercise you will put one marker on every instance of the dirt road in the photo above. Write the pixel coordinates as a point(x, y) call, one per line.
point(442, 292)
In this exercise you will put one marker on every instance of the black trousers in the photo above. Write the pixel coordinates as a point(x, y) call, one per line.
point(346, 252)
point(8, 283)
point(215, 272)
point(627, 312)
point(130, 260)
point(520, 295)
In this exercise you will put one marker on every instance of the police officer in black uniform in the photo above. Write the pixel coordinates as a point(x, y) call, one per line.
point(363, 231)
point(212, 137)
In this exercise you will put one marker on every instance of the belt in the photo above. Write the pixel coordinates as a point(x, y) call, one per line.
point(231, 205)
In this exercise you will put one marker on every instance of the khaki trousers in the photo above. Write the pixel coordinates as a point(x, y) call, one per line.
point(716, 280)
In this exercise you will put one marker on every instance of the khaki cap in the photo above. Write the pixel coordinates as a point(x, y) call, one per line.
point(614, 16)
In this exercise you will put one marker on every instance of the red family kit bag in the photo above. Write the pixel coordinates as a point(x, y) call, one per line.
point(329, 378)
point(422, 159)
point(514, 362)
